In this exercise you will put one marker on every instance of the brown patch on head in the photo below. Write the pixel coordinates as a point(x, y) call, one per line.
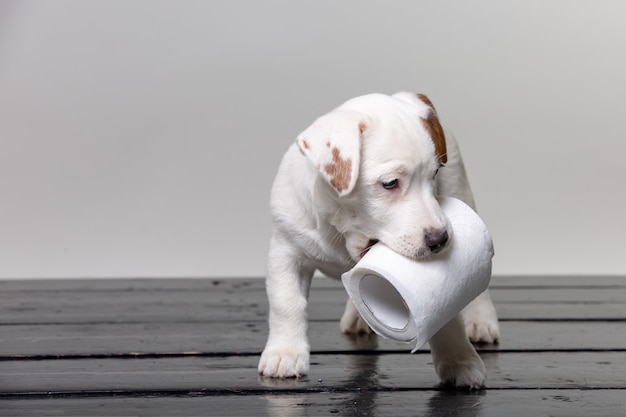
point(434, 129)
point(339, 171)
point(304, 144)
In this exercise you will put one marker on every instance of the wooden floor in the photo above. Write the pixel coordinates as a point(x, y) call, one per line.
point(190, 348)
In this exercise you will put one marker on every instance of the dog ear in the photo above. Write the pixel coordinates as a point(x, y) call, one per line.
point(333, 144)
point(434, 129)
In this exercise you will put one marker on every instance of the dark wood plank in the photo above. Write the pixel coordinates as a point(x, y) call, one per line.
point(329, 372)
point(560, 311)
point(576, 295)
point(242, 337)
point(531, 403)
point(252, 311)
point(145, 311)
point(224, 285)
point(159, 301)
point(258, 283)
point(551, 281)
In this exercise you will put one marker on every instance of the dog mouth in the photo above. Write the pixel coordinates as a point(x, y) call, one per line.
point(367, 247)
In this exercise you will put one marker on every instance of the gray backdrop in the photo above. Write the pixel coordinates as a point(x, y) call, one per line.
point(140, 138)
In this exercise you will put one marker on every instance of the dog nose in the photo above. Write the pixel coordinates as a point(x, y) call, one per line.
point(436, 239)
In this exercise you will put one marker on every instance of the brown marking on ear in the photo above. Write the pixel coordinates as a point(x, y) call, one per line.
point(432, 126)
point(426, 100)
point(339, 171)
point(304, 144)
point(434, 129)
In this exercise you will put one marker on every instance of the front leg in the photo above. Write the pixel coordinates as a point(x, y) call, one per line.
point(286, 352)
point(456, 360)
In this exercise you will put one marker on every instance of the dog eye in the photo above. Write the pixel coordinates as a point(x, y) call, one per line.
point(390, 184)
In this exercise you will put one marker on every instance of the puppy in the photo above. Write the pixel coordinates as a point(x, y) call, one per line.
point(368, 171)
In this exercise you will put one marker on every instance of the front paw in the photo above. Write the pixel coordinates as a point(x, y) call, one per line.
point(481, 320)
point(467, 373)
point(481, 324)
point(351, 322)
point(284, 361)
point(354, 325)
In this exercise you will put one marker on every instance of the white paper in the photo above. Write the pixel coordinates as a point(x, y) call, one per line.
point(410, 300)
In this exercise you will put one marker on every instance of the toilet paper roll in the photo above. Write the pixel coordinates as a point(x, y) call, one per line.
point(410, 300)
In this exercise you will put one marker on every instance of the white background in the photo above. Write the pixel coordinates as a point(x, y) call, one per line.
point(140, 138)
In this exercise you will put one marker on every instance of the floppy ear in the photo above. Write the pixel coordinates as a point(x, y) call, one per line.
point(434, 129)
point(333, 144)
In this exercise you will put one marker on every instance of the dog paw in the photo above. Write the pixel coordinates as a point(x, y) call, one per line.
point(351, 322)
point(470, 373)
point(481, 320)
point(352, 325)
point(284, 362)
point(481, 325)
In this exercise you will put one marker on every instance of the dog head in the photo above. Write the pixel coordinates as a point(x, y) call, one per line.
point(378, 156)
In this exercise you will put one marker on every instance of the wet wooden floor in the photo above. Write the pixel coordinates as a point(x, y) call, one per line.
point(180, 347)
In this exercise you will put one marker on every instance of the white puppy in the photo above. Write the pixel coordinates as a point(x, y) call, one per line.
point(367, 171)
